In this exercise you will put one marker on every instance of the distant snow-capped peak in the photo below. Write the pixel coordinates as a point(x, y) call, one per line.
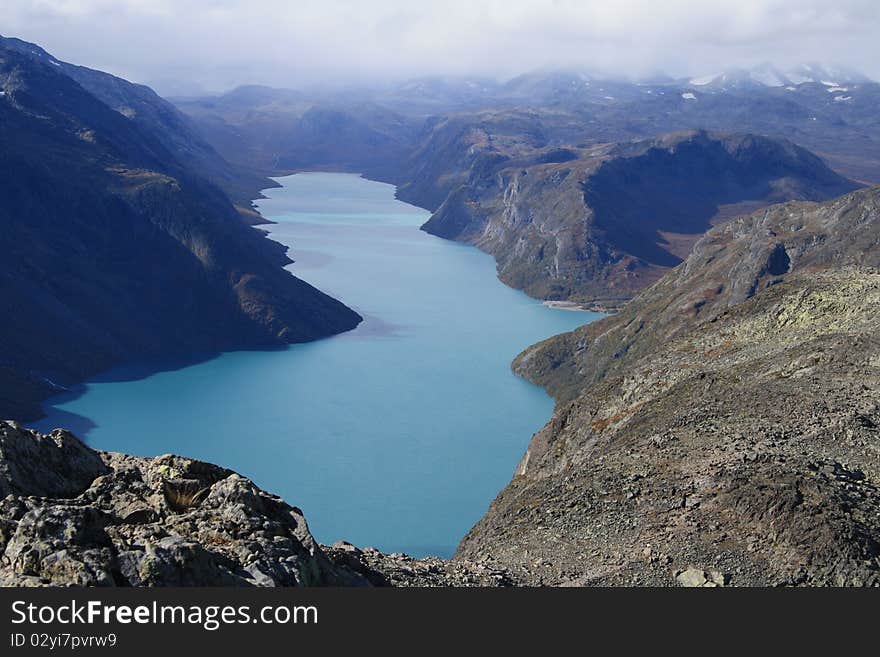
point(768, 75)
point(765, 75)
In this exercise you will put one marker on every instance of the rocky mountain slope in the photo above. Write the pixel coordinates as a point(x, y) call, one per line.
point(114, 249)
point(159, 118)
point(598, 224)
point(72, 516)
point(722, 428)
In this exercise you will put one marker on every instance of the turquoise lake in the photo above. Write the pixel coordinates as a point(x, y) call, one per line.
point(397, 434)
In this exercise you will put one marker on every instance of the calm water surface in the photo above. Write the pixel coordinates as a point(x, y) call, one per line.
point(397, 434)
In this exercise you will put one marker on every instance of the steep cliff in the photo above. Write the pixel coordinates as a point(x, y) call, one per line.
point(722, 428)
point(598, 224)
point(114, 249)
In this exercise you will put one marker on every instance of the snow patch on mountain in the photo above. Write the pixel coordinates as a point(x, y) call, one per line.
point(704, 80)
point(768, 76)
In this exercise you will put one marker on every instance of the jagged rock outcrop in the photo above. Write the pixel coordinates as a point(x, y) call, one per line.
point(75, 516)
point(722, 428)
point(397, 569)
point(72, 516)
point(45, 466)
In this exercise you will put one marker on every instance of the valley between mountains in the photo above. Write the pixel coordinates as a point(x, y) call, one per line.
point(721, 427)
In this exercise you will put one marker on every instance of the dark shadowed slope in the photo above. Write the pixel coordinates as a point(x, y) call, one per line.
point(114, 249)
point(158, 117)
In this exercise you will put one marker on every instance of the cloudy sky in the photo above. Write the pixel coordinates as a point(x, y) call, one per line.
point(185, 45)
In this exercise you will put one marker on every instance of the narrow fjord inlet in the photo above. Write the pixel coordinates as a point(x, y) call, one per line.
point(531, 294)
point(397, 434)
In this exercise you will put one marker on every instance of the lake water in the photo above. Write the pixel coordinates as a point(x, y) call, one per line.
point(397, 434)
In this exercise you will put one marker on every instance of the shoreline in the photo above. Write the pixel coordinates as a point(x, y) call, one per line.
point(574, 306)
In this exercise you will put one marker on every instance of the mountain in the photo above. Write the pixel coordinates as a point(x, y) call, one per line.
point(722, 428)
point(116, 250)
point(823, 73)
point(157, 117)
point(552, 86)
point(829, 111)
point(596, 225)
point(439, 94)
point(278, 131)
point(768, 75)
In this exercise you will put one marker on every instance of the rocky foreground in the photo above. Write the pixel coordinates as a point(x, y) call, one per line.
point(70, 515)
point(723, 428)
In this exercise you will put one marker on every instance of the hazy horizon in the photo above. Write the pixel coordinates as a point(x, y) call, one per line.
point(188, 47)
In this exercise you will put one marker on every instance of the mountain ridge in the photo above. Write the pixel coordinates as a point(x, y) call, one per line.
point(115, 250)
point(596, 225)
point(156, 116)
